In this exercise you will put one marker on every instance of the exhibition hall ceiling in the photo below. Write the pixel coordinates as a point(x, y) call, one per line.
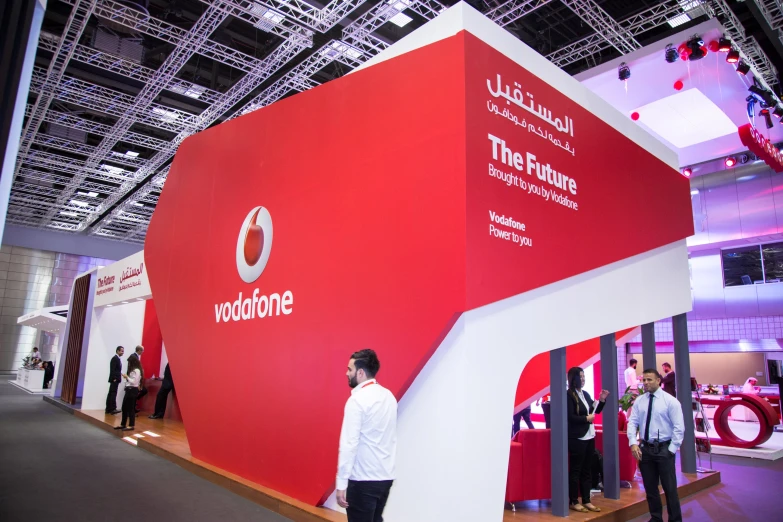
point(118, 84)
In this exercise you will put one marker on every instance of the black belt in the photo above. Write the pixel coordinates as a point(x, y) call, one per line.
point(131, 388)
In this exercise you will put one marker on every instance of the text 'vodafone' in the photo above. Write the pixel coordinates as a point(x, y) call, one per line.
point(255, 307)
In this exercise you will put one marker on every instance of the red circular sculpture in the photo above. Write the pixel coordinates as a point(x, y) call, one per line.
point(765, 413)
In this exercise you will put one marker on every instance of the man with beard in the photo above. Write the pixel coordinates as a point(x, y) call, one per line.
point(669, 384)
point(368, 442)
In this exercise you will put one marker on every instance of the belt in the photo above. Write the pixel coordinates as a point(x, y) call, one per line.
point(660, 443)
point(131, 387)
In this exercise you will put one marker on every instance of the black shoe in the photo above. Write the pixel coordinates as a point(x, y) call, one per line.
point(138, 411)
point(129, 428)
point(119, 427)
point(155, 416)
point(115, 412)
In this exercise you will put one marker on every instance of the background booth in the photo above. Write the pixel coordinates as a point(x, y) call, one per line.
point(52, 320)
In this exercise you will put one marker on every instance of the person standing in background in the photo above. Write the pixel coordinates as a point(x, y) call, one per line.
point(115, 376)
point(658, 420)
point(750, 386)
point(137, 355)
point(368, 442)
point(669, 384)
point(581, 439)
point(524, 413)
point(165, 388)
point(631, 379)
point(132, 383)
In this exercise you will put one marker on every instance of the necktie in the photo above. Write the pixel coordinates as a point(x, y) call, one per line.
point(649, 417)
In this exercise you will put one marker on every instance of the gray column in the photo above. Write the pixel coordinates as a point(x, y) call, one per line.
point(648, 347)
point(610, 428)
point(559, 432)
point(682, 368)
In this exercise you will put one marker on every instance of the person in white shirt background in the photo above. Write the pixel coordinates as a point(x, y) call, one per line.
point(750, 386)
point(368, 442)
point(657, 420)
point(631, 378)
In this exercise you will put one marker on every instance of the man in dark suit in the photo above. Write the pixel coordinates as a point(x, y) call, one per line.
point(669, 386)
point(115, 377)
point(163, 394)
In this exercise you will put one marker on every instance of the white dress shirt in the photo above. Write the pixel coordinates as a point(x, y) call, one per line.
point(368, 440)
point(591, 430)
point(631, 379)
point(666, 423)
point(133, 379)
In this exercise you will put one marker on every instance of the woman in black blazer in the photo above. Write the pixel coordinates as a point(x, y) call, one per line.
point(581, 439)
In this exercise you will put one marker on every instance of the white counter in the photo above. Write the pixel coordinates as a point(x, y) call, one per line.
point(30, 379)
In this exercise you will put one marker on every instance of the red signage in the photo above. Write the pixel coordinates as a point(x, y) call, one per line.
point(437, 202)
point(761, 147)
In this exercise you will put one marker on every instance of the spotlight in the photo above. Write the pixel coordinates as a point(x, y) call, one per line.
point(733, 56)
point(684, 51)
point(670, 54)
point(743, 159)
point(687, 172)
point(730, 161)
point(623, 72)
point(742, 67)
point(724, 44)
point(751, 105)
point(767, 117)
point(778, 111)
point(764, 96)
point(696, 45)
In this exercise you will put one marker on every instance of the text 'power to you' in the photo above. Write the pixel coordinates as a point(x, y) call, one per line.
point(497, 221)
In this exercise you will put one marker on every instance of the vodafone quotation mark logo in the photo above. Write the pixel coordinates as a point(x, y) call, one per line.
point(254, 244)
point(253, 247)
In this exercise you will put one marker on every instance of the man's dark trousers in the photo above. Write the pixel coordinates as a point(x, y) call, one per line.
point(111, 398)
point(366, 499)
point(660, 467)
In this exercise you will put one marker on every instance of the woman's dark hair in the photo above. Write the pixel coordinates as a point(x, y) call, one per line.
point(574, 379)
point(134, 364)
point(366, 360)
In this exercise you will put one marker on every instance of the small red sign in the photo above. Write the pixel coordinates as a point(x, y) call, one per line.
point(761, 147)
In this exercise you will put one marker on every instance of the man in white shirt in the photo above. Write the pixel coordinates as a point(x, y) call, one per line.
point(657, 420)
point(368, 442)
point(630, 375)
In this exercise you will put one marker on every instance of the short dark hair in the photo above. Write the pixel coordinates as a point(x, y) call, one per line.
point(574, 379)
point(366, 360)
point(654, 371)
point(633, 361)
point(118, 349)
point(667, 365)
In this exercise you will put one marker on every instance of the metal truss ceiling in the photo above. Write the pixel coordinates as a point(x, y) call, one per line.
point(102, 127)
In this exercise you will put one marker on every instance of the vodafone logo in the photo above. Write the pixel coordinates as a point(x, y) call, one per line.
point(254, 244)
point(253, 247)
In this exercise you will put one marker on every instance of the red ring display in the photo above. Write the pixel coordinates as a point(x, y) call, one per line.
point(765, 413)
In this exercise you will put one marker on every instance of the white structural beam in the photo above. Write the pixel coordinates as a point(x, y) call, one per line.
point(74, 27)
point(603, 24)
point(509, 12)
point(634, 25)
point(268, 14)
point(143, 103)
point(747, 44)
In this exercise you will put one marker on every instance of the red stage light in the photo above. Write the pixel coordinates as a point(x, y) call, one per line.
point(678, 85)
point(687, 172)
point(733, 56)
point(730, 161)
point(634, 116)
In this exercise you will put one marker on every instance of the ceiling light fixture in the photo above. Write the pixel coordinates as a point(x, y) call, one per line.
point(623, 72)
point(400, 19)
point(79, 203)
point(742, 67)
point(687, 172)
point(730, 161)
point(132, 154)
point(72, 214)
point(670, 54)
point(696, 45)
point(724, 44)
point(778, 111)
point(88, 194)
point(733, 56)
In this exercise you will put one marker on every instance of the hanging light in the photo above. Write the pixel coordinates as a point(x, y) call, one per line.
point(724, 44)
point(687, 172)
point(733, 55)
point(730, 161)
point(623, 72)
point(778, 111)
point(670, 53)
point(764, 113)
point(742, 67)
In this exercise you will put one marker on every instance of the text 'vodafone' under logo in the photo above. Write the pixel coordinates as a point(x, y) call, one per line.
point(253, 247)
point(254, 244)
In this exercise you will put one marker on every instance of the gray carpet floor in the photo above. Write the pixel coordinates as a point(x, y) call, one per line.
point(56, 467)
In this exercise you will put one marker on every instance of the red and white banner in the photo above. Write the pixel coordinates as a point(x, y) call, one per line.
point(122, 281)
point(761, 147)
point(409, 203)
